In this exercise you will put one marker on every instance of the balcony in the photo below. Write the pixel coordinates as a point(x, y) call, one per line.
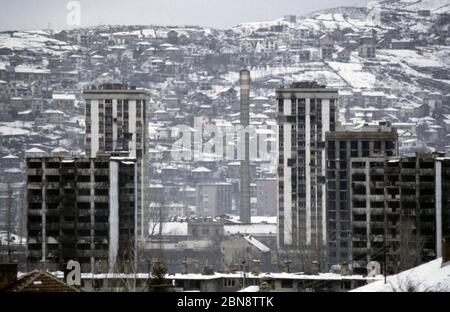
point(34, 185)
point(84, 226)
point(66, 240)
point(102, 199)
point(34, 212)
point(359, 224)
point(35, 253)
point(52, 185)
point(359, 197)
point(101, 212)
point(34, 172)
point(408, 171)
point(101, 185)
point(35, 199)
point(84, 172)
point(84, 185)
point(34, 226)
point(408, 198)
point(68, 185)
point(53, 199)
point(67, 225)
point(101, 226)
point(52, 172)
point(68, 171)
point(84, 212)
point(52, 227)
point(408, 184)
point(103, 171)
point(360, 250)
point(359, 183)
point(378, 198)
point(361, 171)
point(360, 211)
point(376, 171)
point(100, 253)
point(84, 253)
point(428, 171)
point(84, 199)
point(377, 184)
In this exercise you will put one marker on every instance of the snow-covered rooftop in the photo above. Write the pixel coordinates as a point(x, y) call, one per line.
point(431, 276)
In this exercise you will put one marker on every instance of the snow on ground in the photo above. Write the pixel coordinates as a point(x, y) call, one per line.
point(410, 57)
point(14, 239)
point(252, 229)
point(257, 244)
point(435, 6)
point(327, 77)
point(308, 71)
point(16, 128)
point(257, 219)
point(181, 228)
point(250, 289)
point(354, 74)
point(260, 73)
point(431, 276)
point(34, 41)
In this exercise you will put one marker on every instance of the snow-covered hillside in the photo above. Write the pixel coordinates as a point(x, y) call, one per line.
point(35, 41)
point(435, 6)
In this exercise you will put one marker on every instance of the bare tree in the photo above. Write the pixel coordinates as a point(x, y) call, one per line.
point(410, 284)
point(127, 265)
point(410, 246)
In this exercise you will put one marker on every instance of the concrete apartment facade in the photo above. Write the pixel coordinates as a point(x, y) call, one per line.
point(81, 209)
point(400, 210)
point(306, 111)
point(116, 123)
point(341, 146)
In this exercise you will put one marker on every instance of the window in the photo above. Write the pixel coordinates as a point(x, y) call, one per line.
point(228, 282)
point(287, 284)
point(280, 105)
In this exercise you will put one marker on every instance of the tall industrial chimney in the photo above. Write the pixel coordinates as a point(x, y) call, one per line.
point(245, 211)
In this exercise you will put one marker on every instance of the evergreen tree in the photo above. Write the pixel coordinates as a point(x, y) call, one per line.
point(157, 282)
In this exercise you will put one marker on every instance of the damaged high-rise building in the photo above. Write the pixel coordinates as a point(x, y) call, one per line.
point(342, 145)
point(306, 111)
point(82, 209)
point(400, 210)
point(116, 123)
point(92, 208)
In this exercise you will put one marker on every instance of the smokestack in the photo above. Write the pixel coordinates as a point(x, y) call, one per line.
point(244, 211)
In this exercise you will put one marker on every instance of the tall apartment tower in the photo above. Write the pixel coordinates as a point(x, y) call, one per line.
point(116, 124)
point(306, 111)
point(244, 200)
point(82, 209)
point(401, 207)
point(342, 145)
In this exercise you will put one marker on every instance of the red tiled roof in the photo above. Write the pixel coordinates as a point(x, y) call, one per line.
point(40, 281)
